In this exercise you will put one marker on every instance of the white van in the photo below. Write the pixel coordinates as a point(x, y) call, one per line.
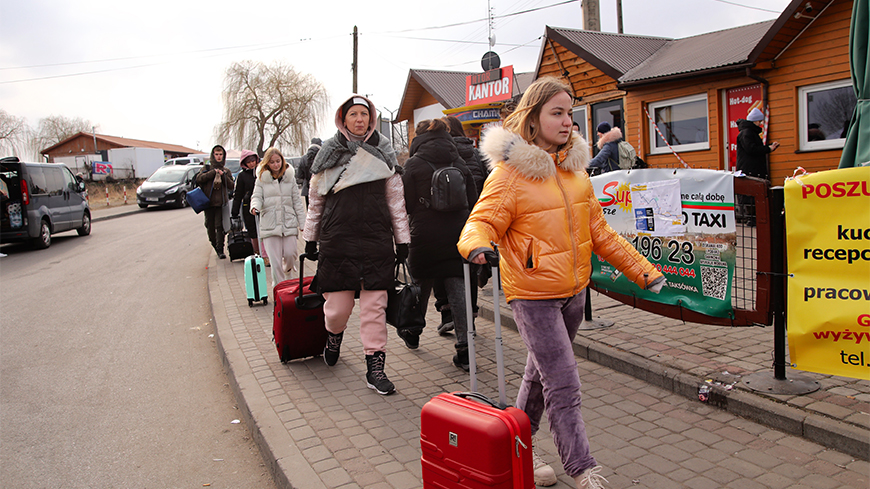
point(187, 160)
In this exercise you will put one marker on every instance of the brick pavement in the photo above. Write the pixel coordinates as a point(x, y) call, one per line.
point(322, 427)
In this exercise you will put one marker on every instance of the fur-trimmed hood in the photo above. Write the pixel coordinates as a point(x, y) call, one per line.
point(611, 136)
point(501, 145)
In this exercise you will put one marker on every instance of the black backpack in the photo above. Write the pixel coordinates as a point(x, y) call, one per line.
point(447, 192)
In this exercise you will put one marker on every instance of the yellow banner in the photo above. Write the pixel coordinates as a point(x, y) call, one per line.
point(827, 217)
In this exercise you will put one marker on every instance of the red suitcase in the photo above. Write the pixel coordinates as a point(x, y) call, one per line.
point(470, 441)
point(298, 327)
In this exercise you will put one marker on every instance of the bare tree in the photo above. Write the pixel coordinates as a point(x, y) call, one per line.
point(13, 134)
point(54, 129)
point(270, 106)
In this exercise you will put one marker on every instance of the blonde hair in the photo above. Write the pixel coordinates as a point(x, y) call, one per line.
point(264, 163)
point(528, 111)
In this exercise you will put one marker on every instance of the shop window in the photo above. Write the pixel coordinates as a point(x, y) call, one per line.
point(824, 113)
point(682, 123)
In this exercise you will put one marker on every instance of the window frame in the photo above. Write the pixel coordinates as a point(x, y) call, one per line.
point(584, 121)
point(804, 144)
point(653, 134)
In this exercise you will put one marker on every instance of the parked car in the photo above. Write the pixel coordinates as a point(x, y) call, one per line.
point(168, 186)
point(40, 199)
point(187, 160)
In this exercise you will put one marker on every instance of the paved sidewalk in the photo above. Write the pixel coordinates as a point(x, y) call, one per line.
point(320, 426)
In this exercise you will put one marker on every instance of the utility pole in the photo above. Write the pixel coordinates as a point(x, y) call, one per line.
point(591, 15)
point(355, 66)
point(619, 16)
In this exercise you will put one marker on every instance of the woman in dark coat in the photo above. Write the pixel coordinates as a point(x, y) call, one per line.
point(434, 234)
point(242, 196)
point(356, 211)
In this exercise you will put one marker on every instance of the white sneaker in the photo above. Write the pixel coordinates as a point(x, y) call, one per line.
point(590, 479)
point(544, 474)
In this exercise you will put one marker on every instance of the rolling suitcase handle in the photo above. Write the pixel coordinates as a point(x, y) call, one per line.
point(472, 332)
point(312, 300)
point(259, 235)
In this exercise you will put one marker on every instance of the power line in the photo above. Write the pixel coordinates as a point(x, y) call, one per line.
point(479, 20)
point(748, 6)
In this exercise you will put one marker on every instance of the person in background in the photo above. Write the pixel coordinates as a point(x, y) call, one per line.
point(752, 158)
point(277, 200)
point(751, 150)
point(433, 255)
point(538, 204)
point(479, 172)
point(576, 127)
point(303, 175)
point(216, 181)
point(242, 195)
point(356, 212)
point(607, 159)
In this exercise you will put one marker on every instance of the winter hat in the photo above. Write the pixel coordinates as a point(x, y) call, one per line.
point(604, 127)
point(247, 154)
point(356, 100)
point(755, 115)
point(345, 107)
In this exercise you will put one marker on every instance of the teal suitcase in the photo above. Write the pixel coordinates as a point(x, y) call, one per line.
point(255, 280)
point(255, 275)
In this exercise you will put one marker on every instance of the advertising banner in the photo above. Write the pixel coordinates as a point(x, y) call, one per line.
point(102, 168)
point(490, 86)
point(828, 234)
point(682, 221)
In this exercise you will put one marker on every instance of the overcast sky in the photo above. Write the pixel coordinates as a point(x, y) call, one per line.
point(154, 70)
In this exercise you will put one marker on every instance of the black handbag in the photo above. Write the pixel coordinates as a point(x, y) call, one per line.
point(405, 309)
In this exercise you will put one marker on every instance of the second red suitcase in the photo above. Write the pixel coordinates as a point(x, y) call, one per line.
point(298, 328)
point(469, 441)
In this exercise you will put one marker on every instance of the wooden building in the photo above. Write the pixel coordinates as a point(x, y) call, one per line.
point(428, 93)
point(795, 68)
point(83, 144)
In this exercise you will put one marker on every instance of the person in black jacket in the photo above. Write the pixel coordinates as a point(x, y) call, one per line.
point(303, 173)
point(216, 181)
point(752, 158)
point(356, 213)
point(242, 196)
point(479, 172)
point(433, 254)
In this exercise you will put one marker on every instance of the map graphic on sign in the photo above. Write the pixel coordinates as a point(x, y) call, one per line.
point(658, 208)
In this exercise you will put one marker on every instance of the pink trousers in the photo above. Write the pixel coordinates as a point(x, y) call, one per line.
point(372, 316)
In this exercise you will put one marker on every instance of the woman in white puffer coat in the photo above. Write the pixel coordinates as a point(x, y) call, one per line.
point(277, 200)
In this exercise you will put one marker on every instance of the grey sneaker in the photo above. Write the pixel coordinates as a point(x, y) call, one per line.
point(544, 474)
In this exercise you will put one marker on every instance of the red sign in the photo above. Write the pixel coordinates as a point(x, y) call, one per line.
point(491, 86)
point(740, 102)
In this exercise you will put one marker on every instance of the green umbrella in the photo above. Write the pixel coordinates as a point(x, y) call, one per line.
point(856, 152)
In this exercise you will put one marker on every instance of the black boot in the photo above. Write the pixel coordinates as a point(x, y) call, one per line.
point(411, 338)
point(332, 348)
point(461, 357)
point(446, 325)
point(375, 377)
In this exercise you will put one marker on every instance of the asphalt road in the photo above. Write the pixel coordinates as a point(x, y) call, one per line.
point(109, 374)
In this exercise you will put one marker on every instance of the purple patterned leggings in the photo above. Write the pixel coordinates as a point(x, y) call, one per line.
point(551, 380)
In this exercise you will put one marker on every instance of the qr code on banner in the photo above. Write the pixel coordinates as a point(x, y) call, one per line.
point(714, 282)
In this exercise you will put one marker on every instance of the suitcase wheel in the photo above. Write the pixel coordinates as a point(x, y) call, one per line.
point(250, 302)
point(265, 300)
